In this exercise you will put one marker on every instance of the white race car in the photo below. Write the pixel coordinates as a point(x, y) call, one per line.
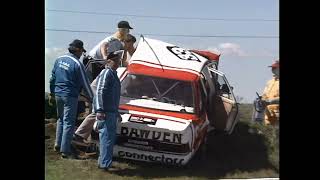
point(170, 97)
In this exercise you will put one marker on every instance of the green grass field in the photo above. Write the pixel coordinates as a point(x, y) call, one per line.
point(240, 155)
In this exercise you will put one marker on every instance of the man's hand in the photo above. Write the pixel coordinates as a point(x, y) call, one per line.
point(101, 116)
point(51, 99)
point(119, 117)
point(85, 98)
point(265, 103)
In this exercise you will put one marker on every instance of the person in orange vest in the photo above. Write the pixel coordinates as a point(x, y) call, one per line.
point(271, 97)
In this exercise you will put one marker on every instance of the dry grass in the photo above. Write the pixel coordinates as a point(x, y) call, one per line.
point(240, 155)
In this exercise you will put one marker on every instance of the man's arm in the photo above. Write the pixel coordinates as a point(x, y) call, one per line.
point(104, 50)
point(103, 86)
point(52, 85)
point(84, 81)
point(273, 101)
point(53, 78)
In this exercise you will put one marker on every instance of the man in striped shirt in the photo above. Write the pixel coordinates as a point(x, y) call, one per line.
point(67, 79)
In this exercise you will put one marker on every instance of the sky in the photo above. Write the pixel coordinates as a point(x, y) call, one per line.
point(244, 61)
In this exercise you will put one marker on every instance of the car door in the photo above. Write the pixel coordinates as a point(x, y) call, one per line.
point(225, 105)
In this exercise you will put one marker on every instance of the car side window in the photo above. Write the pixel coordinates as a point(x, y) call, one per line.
point(223, 89)
point(213, 65)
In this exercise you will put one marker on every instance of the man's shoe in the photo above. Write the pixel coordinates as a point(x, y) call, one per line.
point(109, 169)
point(57, 148)
point(69, 156)
point(103, 169)
point(78, 140)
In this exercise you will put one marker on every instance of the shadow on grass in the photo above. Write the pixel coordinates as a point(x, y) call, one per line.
point(238, 152)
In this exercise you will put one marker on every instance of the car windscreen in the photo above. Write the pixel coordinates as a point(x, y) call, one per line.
point(157, 93)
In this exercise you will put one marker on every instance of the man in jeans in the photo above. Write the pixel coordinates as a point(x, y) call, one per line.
point(84, 130)
point(106, 104)
point(67, 80)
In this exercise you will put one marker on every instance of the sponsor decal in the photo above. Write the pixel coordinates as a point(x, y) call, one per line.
point(137, 142)
point(182, 53)
point(142, 119)
point(151, 145)
point(154, 135)
point(142, 147)
point(162, 158)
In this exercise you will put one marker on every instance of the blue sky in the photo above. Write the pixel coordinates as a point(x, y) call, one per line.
point(243, 60)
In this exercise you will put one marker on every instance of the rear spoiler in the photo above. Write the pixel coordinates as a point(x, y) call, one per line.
point(208, 54)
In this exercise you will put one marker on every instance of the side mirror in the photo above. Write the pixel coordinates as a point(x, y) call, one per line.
point(231, 88)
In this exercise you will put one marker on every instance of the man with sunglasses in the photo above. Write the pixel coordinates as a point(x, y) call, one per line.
point(106, 104)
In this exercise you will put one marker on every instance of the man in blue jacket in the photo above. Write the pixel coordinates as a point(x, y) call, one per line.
point(67, 80)
point(106, 104)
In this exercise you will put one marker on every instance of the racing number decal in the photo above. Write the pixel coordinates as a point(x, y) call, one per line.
point(182, 53)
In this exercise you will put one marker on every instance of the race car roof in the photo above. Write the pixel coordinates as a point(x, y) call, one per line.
point(207, 54)
point(155, 56)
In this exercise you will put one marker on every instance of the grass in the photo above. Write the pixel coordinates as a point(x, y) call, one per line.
point(240, 155)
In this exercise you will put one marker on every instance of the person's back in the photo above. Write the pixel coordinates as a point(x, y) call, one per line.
point(114, 44)
point(66, 79)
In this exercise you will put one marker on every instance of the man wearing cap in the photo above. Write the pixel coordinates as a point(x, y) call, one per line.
point(67, 79)
point(106, 104)
point(112, 43)
point(271, 96)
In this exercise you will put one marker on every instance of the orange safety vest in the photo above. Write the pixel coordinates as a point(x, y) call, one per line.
point(271, 91)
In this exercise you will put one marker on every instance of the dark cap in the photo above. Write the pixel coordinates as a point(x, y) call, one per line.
point(275, 64)
point(118, 54)
point(78, 44)
point(124, 24)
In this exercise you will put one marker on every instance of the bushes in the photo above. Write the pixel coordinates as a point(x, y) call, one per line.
point(270, 134)
point(50, 111)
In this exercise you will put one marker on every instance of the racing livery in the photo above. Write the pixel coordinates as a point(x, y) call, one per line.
point(170, 98)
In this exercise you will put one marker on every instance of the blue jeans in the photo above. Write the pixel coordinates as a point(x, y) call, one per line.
point(107, 137)
point(67, 114)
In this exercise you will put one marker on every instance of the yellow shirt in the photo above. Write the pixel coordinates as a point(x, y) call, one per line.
point(271, 91)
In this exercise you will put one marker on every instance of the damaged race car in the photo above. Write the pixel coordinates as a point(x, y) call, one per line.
point(170, 99)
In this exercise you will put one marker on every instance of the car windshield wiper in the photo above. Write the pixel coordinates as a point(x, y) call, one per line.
point(156, 87)
point(169, 89)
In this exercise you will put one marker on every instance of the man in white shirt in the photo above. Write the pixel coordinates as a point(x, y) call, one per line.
point(108, 45)
point(112, 43)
